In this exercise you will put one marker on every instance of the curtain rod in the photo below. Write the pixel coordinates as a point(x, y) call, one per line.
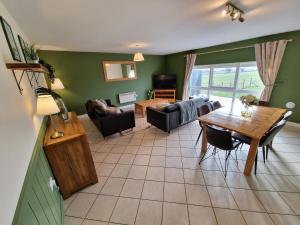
point(230, 49)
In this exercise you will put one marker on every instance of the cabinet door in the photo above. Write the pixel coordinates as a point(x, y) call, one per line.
point(72, 165)
point(81, 162)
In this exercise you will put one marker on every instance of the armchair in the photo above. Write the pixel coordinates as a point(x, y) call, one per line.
point(109, 124)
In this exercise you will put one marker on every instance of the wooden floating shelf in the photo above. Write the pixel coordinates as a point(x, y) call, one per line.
point(29, 67)
point(35, 68)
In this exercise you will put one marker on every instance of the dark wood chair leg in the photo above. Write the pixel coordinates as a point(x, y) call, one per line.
point(267, 152)
point(199, 137)
point(264, 154)
point(255, 165)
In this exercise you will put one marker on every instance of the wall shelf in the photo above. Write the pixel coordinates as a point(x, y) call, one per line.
point(168, 94)
point(29, 67)
point(35, 68)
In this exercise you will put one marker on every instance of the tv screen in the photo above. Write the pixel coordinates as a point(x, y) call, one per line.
point(164, 81)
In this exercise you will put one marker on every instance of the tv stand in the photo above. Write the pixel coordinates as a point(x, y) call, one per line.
point(168, 94)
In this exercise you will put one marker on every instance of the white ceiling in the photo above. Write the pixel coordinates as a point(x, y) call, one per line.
point(159, 26)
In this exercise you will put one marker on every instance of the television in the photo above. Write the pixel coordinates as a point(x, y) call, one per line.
point(164, 81)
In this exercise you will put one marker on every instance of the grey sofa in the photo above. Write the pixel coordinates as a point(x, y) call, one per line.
point(169, 118)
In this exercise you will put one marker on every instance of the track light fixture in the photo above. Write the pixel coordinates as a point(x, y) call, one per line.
point(234, 12)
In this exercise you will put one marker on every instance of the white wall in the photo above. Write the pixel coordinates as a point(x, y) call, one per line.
point(19, 127)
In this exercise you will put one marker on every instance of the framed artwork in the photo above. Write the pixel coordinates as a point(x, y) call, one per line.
point(23, 46)
point(10, 40)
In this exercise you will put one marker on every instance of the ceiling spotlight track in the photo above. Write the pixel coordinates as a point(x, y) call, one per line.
point(234, 12)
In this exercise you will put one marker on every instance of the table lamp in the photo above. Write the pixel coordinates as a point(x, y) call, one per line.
point(46, 105)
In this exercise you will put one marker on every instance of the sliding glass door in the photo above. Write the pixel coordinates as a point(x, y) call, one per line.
point(226, 82)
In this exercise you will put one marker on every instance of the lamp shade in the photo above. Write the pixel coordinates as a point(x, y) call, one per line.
point(57, 84)
point(46, 105)
point(138, 57)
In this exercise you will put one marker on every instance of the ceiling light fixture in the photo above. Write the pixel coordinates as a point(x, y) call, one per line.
point(138, 56)
point(234, 12)
point(226, 11)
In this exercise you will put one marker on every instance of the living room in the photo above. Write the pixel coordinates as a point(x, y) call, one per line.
point(83, 145)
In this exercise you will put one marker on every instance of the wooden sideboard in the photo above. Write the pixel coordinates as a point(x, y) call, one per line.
point(70, 156)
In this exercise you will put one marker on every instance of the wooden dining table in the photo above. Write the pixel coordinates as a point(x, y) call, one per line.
point(255, 127)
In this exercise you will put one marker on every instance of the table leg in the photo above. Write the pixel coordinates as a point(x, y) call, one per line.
point(204, 142)
point(136, 108)
point(251, 156)
point(143, 111)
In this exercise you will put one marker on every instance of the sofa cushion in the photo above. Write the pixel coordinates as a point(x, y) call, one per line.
point(171, 108)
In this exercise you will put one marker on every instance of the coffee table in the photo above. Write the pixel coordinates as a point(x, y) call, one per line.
point(142, 105)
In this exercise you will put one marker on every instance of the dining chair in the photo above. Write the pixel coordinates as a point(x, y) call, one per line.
point(202, 110)
point(264, 142)
point(216, 105)
point(223, 140)
point(285, 117)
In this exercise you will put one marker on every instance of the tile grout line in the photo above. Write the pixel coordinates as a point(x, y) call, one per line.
point(214, 212)
point(97, 195)
point(162, 213)
point(194, 169)
point(233, 195)
point(187, 207)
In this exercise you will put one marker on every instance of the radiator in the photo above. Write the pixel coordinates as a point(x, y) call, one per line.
point(127, 97)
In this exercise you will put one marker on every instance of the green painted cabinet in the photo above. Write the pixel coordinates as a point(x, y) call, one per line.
point(38, 204)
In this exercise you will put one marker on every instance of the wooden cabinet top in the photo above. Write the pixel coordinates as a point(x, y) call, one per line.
point(72, 128)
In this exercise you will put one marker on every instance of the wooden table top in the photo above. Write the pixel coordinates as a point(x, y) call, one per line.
point(72, 128)
point(255, 127)
point(152, 102)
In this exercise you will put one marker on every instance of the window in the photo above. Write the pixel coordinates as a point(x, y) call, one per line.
point(226, 82)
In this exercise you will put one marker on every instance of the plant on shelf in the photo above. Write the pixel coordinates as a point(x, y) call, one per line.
point(150, 94)
point(31, 53)
point(248, 101)
point(50, 69)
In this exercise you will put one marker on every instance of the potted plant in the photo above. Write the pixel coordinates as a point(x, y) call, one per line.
point(150, 94)
point(31, 53)
point(50, 69)
point(248, 101)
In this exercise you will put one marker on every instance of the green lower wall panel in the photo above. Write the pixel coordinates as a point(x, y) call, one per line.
point(83, 78)
point(38, 205)
point(288, 78)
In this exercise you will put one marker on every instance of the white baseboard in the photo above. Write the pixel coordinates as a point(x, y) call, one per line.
point(292, 124)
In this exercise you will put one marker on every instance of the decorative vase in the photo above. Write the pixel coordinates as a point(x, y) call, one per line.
point(247, 112)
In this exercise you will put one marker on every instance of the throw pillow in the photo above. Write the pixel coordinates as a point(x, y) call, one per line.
point(112, 110)
point(101, 104)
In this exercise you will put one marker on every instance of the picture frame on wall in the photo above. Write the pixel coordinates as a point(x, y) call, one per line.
point(23, 45)
point(10, 40)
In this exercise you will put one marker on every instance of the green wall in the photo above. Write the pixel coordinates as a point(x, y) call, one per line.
point(83, 78)
point(288, 78)
point(37, 203)
point(82, 72)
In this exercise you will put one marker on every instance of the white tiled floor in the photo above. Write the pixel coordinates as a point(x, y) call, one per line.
point(151, 178)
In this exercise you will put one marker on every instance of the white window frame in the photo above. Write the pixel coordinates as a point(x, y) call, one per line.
point(233, 89)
